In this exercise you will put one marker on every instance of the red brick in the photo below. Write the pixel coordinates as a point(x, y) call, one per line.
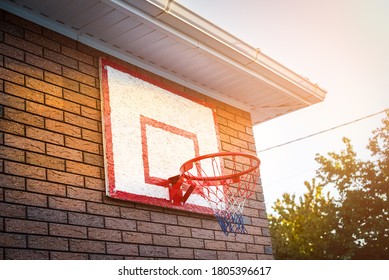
point(265, 257)
point(45, 214)
point(24, 143)
point(82, 145)
point(215, 245)
point(44, 111)
point(93, 159)
point(63, 128)
point(88, 69)
point(63, 152)
point(62, 104)
point(166, 240)
point(260, 222)
point(46, 187)
point(229, 131)
point(189, 221)
point(20, 254)
point(122, 224)
point(86, 220)
point(10, 51)
point(247, 256)
point(233, 246)
point(258, 249)
point(92, 136)
point(230, 148)
point(24, 170)
point(122, 249)
point(239, 143)
point(104, 257)
point(12, 240)
point(65, 178)
point(83, 169)
point(68, 231)
point(236, 126)
point(225, 255)
point(263, 240)
point(21, 197)
point(66, 204)
point(11, 127)
point(78, 76)
point(23, 68)
point(25, 226)
point(135, 214)
point(60, 58)
point(205, 255)
point(43, 63)
point(91, 113)
point(178, 231)
point(104, 234)
point(80, 98)
point(77, 55)
point(42, 41)
point(12, 210)
point(45, 161)
point(12, 182)
point(157, 217)
point(103, 209)
point(137, 237)
point(24, 92)
point(90, 91)
point(210, 224)
point(11, 154)
point(180, 253)
point(67, 256)
point(44, 87)
point(221, 121)
point(94, 183)
point(202, 233)
point(23, 117)
point(151, 227)
point(61, 81)
point(45, 135)
point(23, 44)
point(191, 242)
point(225, 114)
point(81, 121)
point(246, 238)
point(244, 121)
point(21, 22)
point(48, 243)
point(153, 251)
point(62, 39)
point(84, 194)
point(246, 137)
point(87, 246)
point(12, 101)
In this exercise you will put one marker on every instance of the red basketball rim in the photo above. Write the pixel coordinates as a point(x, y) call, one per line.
point(189, 165)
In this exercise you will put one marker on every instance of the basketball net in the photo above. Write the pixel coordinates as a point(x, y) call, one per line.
point(225, 181)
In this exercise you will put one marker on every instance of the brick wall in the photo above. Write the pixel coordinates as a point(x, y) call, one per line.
point(52, 193)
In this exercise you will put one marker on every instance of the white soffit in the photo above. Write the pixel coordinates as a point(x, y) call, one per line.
point(166, 38)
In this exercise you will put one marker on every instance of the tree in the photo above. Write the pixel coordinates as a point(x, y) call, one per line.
point(351, 224)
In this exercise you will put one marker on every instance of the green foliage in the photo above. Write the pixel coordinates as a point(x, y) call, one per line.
point(352, 225)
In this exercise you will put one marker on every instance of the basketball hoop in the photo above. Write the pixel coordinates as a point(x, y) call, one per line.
point(225, 180)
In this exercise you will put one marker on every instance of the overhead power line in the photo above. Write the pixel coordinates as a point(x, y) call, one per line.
point(321, 132)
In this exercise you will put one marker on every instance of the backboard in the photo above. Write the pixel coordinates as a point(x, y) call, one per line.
point(149, 130)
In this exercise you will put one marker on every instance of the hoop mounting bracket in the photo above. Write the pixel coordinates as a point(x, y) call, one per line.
point(177, 195)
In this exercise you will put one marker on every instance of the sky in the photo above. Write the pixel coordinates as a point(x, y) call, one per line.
point(342, 45)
